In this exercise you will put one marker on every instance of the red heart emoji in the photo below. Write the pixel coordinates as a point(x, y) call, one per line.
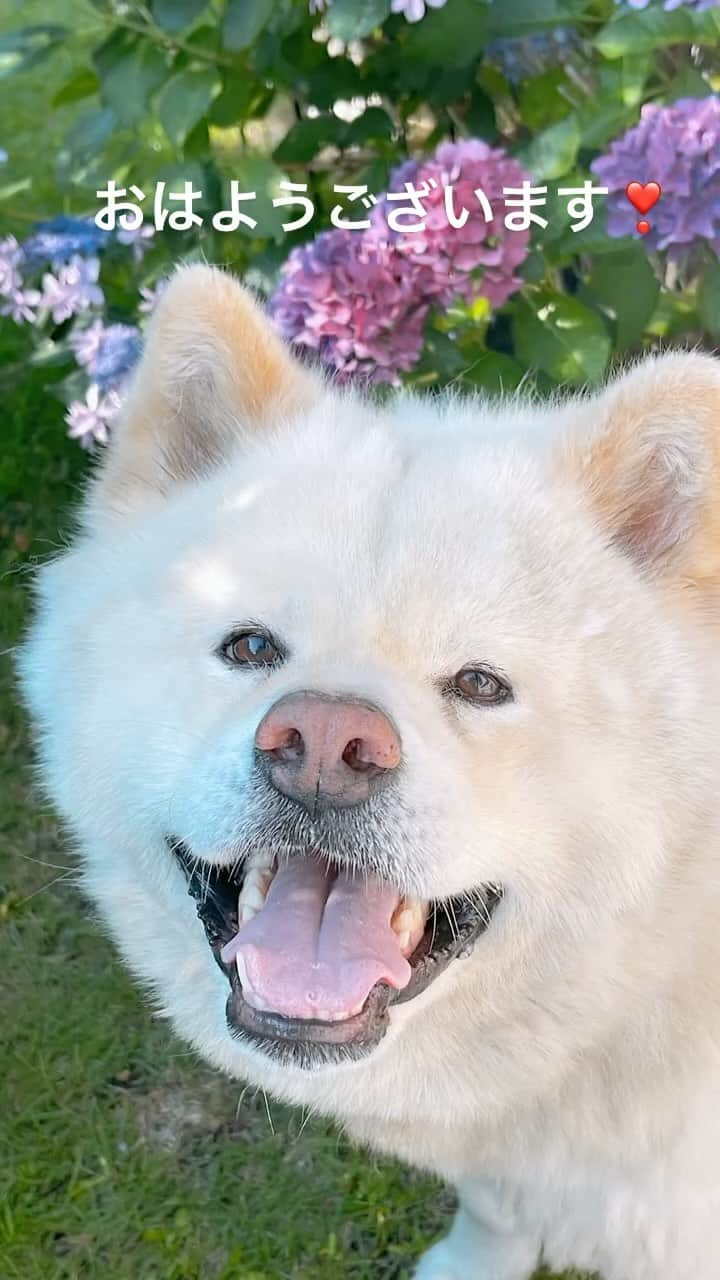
point(643, 197)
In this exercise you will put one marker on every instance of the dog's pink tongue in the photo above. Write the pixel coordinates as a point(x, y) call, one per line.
point(319, 944)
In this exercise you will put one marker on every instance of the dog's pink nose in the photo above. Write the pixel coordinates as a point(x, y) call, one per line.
point(327, 752)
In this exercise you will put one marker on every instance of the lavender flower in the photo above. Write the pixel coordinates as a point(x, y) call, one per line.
point(10, 259)
point(21, 305)
point(414, 10)
point(478, 259)
point(89, 421)
point(150, 295)
point(139, 238)
point(356, 301)
point(59, 239)
point(74, 288)
point(699, 5)
point(108, 352)
point(679, 147)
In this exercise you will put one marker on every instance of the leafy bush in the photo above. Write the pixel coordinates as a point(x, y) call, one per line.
point(475, 95)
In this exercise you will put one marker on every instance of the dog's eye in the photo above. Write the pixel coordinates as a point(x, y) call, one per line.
point(480, 686)
point(251, 649)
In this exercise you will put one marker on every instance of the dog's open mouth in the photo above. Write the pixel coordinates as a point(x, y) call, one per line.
point(315, 956)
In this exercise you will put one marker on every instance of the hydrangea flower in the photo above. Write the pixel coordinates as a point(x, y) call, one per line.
point(150, 295)
point(699, 5)
point(4, 157)
point(89, 420)
point(11, 256)
point(361, 299)
point(21, 305)
point(108, 352)
point(521, 57)
point(139, 238)
point(59, 239)
point(679, 147)
point(414, 10)
point(73, 289)
point(480, 258)
point(354, 300)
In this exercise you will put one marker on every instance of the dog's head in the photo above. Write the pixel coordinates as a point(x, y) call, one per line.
point(404, 701)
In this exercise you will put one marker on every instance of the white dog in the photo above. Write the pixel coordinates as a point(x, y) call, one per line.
point(417, 707)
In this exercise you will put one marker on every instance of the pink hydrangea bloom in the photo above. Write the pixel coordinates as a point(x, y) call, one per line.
point(478, 259)
point(357, 302)
point(360, 299)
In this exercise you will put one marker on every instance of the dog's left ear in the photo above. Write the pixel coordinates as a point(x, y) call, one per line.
point(213, 372)
point(650, 464)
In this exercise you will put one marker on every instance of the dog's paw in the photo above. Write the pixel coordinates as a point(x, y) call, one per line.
point(451, 1260)
point(441, 1263)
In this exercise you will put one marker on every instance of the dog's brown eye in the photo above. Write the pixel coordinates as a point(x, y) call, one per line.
point(251, 649)
point(478, 685)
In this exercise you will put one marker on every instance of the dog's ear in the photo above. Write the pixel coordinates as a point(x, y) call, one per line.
point(212, 371)
point(650, 464)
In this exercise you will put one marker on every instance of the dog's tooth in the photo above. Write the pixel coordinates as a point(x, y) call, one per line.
point(404, 940)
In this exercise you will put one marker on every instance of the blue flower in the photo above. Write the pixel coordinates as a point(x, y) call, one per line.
point(60, 238)
point(118, 352)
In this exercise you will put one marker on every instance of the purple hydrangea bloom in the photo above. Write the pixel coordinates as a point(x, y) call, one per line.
point(59, 239)
point(356, 301)
point(480, 258)
point(73, 289)
point(679, 147)
point(108, 352)
point(89, 420)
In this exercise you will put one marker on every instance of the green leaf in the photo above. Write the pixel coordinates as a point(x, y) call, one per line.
point(174, 15)
point(14, 188)
point(494, 372)
point(561, 337)
point(373, 123)
point(709, 298)
point(184, 99)
point(302, 143)
point(243, 22)
point(82, 85)
point(453, 36)
point(628, 290)
point(129, 82)
point(653, 29)
point(22, 49)
point(353, 19)
point(520, 18)
point(553, 152)
point(255, 172)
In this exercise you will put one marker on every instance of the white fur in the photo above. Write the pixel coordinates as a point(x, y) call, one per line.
point(566, 1076)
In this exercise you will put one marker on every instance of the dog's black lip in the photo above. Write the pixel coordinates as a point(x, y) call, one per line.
point(311, 1042)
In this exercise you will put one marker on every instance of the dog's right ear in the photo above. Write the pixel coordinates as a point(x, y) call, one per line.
point(213, 371)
